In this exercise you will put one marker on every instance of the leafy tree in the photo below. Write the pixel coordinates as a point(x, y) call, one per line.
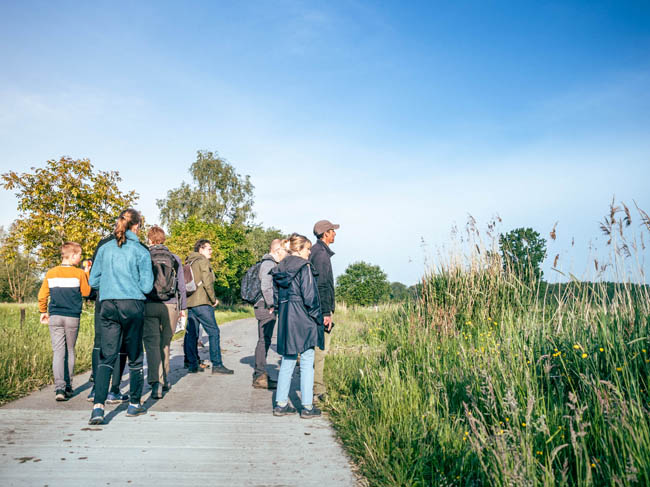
point(217, 195)
point(363, 284)
point(398, 291)
point(230, 257)
point(258, 239)
point(18, 274)
point(523, 251)
point(64, 201)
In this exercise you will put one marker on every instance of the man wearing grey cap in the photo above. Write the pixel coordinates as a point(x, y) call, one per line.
point(320, 259)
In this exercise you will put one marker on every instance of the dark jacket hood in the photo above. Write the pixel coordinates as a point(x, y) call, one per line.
point(286, 270)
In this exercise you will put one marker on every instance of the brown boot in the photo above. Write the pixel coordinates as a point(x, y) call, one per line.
point(261, 382)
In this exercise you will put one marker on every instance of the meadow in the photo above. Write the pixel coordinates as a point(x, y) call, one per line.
point(26, 352)
point(485, 379)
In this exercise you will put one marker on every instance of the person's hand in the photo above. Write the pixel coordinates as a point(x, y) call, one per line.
point(327, 321)
point(45, 318)
point(87, 264)
point(182, 314)
point(271, 310)
point(216, 303)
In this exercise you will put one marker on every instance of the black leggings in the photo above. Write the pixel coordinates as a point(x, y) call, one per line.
point(121, 321)
point(118, 369)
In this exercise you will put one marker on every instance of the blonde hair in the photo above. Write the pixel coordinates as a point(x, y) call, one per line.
point(126, 221)
point(156, 235)
point(68, 249)
point(296, 243)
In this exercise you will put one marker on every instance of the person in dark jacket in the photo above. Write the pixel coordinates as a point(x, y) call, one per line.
point(160, 317)
point(265, 315)
point(320, 259)
point(122, 272)
point(300, 325)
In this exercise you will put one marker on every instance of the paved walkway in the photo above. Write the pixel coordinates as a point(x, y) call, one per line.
point(208, 430)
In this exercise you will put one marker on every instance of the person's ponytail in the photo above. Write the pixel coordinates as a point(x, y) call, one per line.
point(127, 220)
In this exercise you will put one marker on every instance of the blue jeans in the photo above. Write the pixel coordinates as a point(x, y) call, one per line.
point(202, 315)
point(306, 378)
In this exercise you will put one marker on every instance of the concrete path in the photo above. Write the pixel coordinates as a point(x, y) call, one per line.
point(207, 430)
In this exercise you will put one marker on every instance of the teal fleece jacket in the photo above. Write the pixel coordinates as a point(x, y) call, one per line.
point(122, 272)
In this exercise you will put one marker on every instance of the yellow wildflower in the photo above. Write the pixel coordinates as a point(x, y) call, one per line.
point(619, 369)
point(523, 424)
point(584, 355)
point(601, 349)
point(577, 347)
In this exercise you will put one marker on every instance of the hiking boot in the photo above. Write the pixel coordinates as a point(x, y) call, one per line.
point(156, 390)
point(91, 396)
point(136, 410)
point(313, 412)
point(284, 410)
point(69, 392)
point(118, 398)
point(166, 386)
point(194, 370)
point(264, 382)
point(261, 382)
point(221, 369)
point(59, 395)
point(97, 416)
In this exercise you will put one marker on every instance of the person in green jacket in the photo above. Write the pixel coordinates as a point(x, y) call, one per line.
point(200, 307)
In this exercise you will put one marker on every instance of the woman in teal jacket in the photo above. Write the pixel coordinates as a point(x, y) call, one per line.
point(123, 274)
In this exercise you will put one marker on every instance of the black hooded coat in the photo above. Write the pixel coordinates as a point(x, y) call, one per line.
point(295, 297)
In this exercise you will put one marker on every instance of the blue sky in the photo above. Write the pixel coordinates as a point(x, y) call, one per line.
point(394, 119)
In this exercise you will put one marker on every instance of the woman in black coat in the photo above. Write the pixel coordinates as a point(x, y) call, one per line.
point(300, 325)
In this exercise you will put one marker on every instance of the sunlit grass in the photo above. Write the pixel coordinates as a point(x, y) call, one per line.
point(486, 381)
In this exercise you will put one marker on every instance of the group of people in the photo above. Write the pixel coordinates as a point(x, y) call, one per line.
point(141, 291)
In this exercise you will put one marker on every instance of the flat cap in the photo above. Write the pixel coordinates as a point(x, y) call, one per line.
point(323, 226)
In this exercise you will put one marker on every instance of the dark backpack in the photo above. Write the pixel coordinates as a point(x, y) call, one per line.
point(251, 285)
point(190, 284)
point(165, 269)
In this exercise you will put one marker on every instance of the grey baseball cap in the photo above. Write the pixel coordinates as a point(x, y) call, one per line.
point(323, 226)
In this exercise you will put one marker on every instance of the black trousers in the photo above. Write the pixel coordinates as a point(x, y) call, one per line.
point(118, 368)
point(265, 326)
point(121, 320)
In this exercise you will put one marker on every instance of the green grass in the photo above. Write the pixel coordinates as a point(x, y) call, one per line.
point(26, 353)
point(483, 381)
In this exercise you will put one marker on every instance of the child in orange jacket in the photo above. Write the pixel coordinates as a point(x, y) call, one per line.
point(64, 285)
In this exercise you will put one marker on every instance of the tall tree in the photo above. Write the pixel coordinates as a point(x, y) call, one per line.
point(64, 201)
point(218, 194)
point(523, 251)
point(363, 284)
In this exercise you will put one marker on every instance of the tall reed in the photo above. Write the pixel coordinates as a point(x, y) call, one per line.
point(488, 379)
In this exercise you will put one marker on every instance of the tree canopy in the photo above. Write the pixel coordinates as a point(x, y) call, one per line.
point(523, 251)
point(399, 291)
point(363, 284)
point(64, 201)
point(217, 194)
